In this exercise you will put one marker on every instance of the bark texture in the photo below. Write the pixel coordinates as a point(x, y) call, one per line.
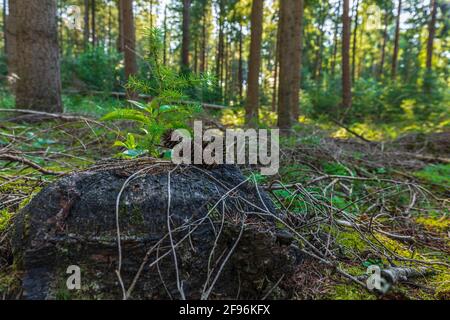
point(290, 24)
point(346, 76)
point(73, 222)
point(254, 63)
point(38, 69)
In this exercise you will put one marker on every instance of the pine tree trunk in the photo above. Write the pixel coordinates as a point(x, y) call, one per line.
point(11, 43)
point(120, 39)
point(346, 78)
point(335, 41)
point(129, 41)
point(252, 105)
point(93, 15)
point(275, 70)
point(383, 48)
point(355, 34)
point(396, 42)
point(165, 37)
point(204, 42)
point(290, 24)
point(186, 36)
point(241, 63)
point(87, 29)
point(431, 35)
point(39, 84)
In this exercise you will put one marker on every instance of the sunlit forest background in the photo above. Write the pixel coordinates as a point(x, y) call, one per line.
point(398, 56)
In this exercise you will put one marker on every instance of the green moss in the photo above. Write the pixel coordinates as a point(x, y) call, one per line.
point(350, 292)
point(5, 218)
point(436, 173)
point(434, 224)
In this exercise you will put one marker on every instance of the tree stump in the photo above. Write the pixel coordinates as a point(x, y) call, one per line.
point(215, 237)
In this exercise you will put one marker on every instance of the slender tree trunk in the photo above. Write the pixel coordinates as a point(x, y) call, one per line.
point(220, 44)
point(383, 48)
point(431, 35)
point(94, 18)
point(87, 29)
point(252, 106)
point(186, 36)
point(276, 68)
point(38, 84)
point(165, 37)
point(355, 35)
point(204, 42)
point(335, 40)
point(346, 78)
point(129, 41)
point(396, 42)
point(109, 26)
point(120, 39)
point(5, 41)
point(241, 63)
point(11, 43)
point(290, 24)
point(318, 58)
point(150, 12)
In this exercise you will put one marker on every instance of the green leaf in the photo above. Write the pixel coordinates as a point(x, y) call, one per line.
point(126, 114)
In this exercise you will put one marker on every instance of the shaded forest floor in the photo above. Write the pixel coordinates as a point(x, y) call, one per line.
point(357, 203)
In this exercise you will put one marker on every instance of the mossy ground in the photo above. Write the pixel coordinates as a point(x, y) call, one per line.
point(75, 146)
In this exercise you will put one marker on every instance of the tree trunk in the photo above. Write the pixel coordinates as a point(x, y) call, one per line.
point(120, 39)
point(186, 35)
point(252, 105)
point(241, 63)
point(165, 37)
point(93, 15)
point(87, 29)
point(290, 24)
point(431, 34)
point(383, 48)
point(335, 40)
point(396, 42)
point(275, 70)
point(129, 41)
point(346, 79)
point(11, 43)
point(204, 42)
point(220, 44)
point(355, 34)
point(39, 84)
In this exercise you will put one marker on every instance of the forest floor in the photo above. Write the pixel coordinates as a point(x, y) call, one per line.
point(352, 202)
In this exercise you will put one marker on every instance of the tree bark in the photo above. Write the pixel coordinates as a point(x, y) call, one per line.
point(204, 42)
point(129, 40)
point(87, 29)
point(346, 79)
point(355, 34)
point(11, 43)
point(120, 39)
point(241, 63)
point(93, 15)
point(431, 35)
point(396, 42)
point(165, 37)
point(252, 105)
point(383, 48)
point(186, 35)
point(275, 70)
point(38, 69)
point(335, 40)
point(290, 24)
